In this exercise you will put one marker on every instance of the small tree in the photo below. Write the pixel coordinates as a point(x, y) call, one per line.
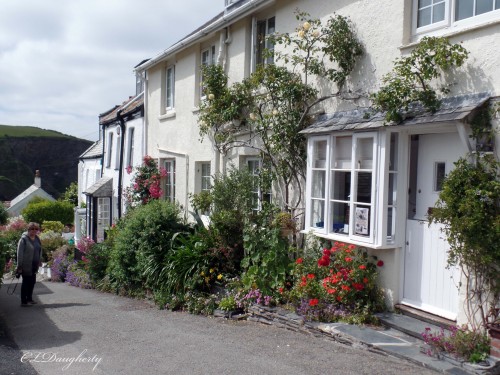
point(274, 104)
point(412, 79)
point(71, 194)
point(469, 208)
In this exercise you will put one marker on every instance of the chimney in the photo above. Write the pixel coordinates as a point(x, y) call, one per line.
point(38, 179)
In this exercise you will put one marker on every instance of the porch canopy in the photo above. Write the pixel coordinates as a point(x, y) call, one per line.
point(456, 108)
point(102, 188)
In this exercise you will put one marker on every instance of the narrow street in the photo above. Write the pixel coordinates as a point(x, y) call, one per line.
point(76, 331)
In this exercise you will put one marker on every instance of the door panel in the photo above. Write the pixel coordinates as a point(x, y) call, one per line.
point(428, 283)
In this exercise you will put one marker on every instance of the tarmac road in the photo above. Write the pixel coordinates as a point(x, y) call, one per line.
point(76, 331)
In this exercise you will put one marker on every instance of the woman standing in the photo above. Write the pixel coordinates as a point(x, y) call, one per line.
point(29, 256)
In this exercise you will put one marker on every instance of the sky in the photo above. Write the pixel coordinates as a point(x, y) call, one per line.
point(63, 62)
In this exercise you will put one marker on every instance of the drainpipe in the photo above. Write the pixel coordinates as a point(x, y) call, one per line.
point(120, 167)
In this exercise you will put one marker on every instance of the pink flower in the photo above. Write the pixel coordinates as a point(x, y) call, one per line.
point(380, 263)
point(362, 267)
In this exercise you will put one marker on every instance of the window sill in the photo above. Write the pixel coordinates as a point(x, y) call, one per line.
point(195, 110)
point(170, 114)
point(448, 32)
point(350, 240)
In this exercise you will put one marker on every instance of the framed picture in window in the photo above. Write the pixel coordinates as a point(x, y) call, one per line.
point(361, 221)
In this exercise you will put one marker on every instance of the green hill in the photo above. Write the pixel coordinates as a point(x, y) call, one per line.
point(25, 149)
point(28, 131)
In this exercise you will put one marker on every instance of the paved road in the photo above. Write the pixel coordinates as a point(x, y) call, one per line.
point(107, 334)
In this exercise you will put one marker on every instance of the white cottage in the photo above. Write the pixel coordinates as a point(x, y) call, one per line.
point(367, 184)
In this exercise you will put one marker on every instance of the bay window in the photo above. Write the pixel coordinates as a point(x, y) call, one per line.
point(347, 187)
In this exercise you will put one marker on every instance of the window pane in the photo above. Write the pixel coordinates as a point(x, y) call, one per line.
point(341, 187)
point(340, 217)
point(318, 214)
point(438, 13)
point(364, 191)
point(319, 154)
point(497, 4)
point(439, 175)
point(483, 6)
point(464, 9)
point(393, 153)
point(424, 17)
point(391, 198)
point(364, 151)
point(391, 222)
point(342, 153)
point(424, 3)
point(318, 184)
point(362, 220)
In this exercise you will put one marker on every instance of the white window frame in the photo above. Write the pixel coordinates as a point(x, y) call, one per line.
point(205, 176)
point(131, 147)
point(210, 54)
point(449, 23)
point(255, 172)
point(118, 150)
point(355, 166)
point(110, 149)
point(170, 88)
point(170, 178)
point(256, 35)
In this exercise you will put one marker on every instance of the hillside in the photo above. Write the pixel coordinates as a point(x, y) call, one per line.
point(24, 149)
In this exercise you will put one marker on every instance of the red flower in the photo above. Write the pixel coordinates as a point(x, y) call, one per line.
point(324, 261)
point(345, 287)
point(326, 252)
point(331, 291)
point(280, 290)
point(313, 302)
point(299, 261)
point(351, 247)
point(310, 276)
point(358, 286)
point(365, 280)
point(348, 259)
point(380, 263)
point(362, 267)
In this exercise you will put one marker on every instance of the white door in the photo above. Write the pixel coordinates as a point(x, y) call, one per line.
point(428, 284)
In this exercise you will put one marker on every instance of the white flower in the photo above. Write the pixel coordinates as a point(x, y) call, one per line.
point(275, 112)
point(252, 116)
point(211, 96)
point(315, 33)
point(306, 26)
point(414, 70)
point(301, 34)
point(432, 53)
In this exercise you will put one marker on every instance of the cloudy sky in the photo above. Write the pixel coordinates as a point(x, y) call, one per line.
point(63, 62)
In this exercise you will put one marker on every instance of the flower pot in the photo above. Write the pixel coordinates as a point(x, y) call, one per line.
point(49, 273)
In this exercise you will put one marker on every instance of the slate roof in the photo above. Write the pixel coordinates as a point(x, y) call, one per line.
point(129, 106)
point(96, 150)
point(102, 188)
point(455, 108)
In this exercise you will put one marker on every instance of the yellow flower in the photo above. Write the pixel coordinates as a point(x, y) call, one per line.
point(211, 96)
point(219, 276)
point(207, 279)
point(301, 34)
point(306, 26)
point(212, 270)
point(202, 273)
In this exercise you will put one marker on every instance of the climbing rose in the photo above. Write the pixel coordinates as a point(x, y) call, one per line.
point(313, 302)
point(380, 263)
point(299, 261)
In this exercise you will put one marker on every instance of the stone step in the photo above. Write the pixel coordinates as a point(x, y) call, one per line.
point(411, 326)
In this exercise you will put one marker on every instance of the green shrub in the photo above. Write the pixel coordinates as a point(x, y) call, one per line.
point(49, 211)
point(97, 261)
point(55, 226)
point(143, 238)
point(51, 241)
point(266, 264)
point(4, 216)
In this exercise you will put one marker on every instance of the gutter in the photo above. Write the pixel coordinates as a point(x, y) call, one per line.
point(222, 21)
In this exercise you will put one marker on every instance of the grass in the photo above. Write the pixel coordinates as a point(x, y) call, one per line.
point(28, 131)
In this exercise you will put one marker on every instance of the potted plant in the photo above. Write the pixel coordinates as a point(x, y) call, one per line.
point(285, 221)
